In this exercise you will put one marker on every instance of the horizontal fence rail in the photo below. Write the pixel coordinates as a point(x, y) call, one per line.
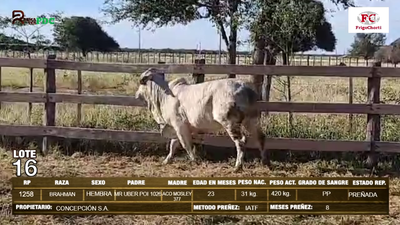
point(296, 107)
point(373, 108)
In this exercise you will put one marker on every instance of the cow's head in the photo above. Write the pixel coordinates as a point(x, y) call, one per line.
point(149, 81)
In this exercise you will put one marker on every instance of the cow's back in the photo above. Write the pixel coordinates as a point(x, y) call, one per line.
point(203, 102)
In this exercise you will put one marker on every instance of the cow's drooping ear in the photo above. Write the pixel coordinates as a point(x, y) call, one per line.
point(144, 80)
point(146, 76)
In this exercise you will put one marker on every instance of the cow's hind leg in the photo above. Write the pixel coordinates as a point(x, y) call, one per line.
point(173, 145)
point(252, 125)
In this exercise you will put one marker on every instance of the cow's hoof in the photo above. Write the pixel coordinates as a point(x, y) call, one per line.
point(192, 158)
point(266, 162)
point(268, 166)
point(165, 162)
point(238, 169)
point(194, 162)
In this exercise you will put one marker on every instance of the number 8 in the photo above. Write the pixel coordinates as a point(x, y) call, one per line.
point(327, 207)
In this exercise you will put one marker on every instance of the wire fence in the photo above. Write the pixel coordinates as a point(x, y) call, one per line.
point(188, 58)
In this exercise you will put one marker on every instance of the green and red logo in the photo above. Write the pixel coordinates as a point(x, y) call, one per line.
point(19, 15)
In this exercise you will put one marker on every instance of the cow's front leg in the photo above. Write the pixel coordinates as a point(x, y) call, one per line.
point(173, 145)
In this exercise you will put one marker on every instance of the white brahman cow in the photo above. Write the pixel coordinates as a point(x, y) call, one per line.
point(183, 110)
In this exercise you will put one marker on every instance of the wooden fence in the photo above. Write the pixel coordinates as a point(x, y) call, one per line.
point(50, 97)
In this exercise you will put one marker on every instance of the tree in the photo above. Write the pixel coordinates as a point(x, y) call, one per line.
point(291, 26)
point(3, 22)
point(395, 42)
point(265, 51)
point(223, 13)
point(297, 26)
point(83, 34)
point(395, 55)
point(366, 44)
point(5, 39)
point(389, 53)
point(287, 26)
point(11, 43)
point(256, 21)
point(383, 54)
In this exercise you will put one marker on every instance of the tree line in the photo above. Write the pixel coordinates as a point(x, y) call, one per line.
point(276, 26)
point(75, 33)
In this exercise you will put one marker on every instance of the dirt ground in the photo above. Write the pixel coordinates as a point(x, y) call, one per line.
point(113, 165)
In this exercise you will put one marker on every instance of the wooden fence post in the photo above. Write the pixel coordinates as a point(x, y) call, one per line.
point(198, 77)
point(308, 60)
point(374, 120)
point(50, 107)
point(0, 84)
point(79, 106)
point(30, 90)
point(351, 93)
point(162, 62)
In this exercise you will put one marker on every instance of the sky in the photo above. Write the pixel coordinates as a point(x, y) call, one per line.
point(199, 33)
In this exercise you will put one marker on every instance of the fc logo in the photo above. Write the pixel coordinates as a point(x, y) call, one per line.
point(368, 18)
